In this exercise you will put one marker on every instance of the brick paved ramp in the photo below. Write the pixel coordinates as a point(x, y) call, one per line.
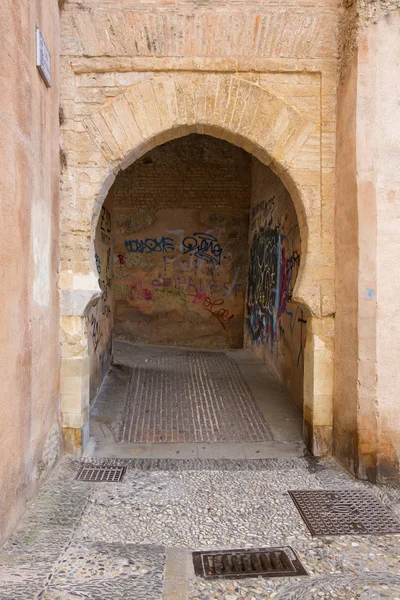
point(179, 395)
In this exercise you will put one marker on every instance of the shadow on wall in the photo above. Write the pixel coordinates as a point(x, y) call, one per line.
point(180, 219)
point(100, 316)
point(275, 326)
point(175, 267)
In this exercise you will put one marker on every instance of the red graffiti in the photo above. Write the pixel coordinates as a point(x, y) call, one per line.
point(146, 294)
point(137, 290)
point(222, 314)
point(121, 259)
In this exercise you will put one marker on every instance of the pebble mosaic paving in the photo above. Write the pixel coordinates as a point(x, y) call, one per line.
point(119, 540)
point(177, 395)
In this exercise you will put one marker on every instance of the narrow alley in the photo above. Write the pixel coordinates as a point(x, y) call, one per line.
point(199, 309)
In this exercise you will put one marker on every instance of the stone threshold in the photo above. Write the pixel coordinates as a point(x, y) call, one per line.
point(177, 450)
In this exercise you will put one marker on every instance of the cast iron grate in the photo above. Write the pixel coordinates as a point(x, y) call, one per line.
point(101, 473)
point(344, 512)
point(254, 562)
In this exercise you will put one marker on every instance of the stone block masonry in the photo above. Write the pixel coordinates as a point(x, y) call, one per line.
point(260, 76)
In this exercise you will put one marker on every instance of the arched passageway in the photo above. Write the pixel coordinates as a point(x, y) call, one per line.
point(157, 110)
point(197, 245)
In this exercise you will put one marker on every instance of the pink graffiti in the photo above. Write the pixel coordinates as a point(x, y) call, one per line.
point(199, 297)
point(146, 294)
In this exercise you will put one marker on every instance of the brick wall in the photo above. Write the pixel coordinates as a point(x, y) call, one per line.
point(180, 226)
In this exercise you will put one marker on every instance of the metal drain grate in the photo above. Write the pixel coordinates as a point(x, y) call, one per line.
point(345, 512)
point(101, 473)
point(254, 562)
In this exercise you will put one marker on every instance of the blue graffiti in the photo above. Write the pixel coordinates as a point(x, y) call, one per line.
point(271, 278)
point(163, 244)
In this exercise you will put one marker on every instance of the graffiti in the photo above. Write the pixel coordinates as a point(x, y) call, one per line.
point(204, 246)
point(105, 283)
point(163, 244)
point(101, 309)
point(222, 314)
point(132, 260)
point(105, 226)
point(272, 274)
point(193, 285)
point(95, 332)
point(136, 292)
point(181, 285)
point(105, 286)
point(175, 270)
point(294, 319)
point(146, 294)
point(121, 291)
point(291, 271)
point(177, 295)
point(199, 297)
point(188, 265)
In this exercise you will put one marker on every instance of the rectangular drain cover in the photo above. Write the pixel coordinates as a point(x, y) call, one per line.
point(344, 512)
point(254, 562)
point(101, 473)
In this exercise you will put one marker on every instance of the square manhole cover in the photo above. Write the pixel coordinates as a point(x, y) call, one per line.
point(101, 473)
point(344, 512)
point(250, 562)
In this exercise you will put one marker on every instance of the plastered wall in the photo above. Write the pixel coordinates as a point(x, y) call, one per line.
point(386, 42)
point(366, 410)
point(29, 256)
point(180, 223)
point(275, 326)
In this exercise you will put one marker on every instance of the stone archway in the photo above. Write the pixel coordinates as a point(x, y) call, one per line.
point(159, 109)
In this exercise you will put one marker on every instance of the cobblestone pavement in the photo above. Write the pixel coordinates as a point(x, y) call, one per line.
point(177, 395)
point(132, 540)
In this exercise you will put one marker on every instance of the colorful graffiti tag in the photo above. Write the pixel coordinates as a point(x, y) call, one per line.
point(273, 268)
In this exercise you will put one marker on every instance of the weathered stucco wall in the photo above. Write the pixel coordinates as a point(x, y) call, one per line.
point(387, 47)
point(29, 229)
point(275, 326)
point(346, 265)
point(179, 244)
point(366, 411)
